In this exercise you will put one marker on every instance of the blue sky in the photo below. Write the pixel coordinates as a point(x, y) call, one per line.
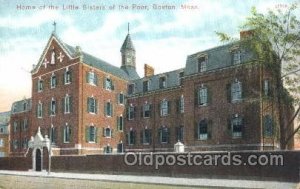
point(162, 38)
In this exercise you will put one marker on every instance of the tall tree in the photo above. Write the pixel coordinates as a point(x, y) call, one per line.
point(275, 39)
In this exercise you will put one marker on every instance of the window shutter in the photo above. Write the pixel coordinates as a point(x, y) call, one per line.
point(243, 128)
point(134, 137)
point(104, 133)
point(96, 134)
point(111, 133)
point(196, 130)
point(105, 109)
point(111, 109)
point(63, 133)
point(141, 136)
point(150, 136)
point(209, 95)
point(159, 135)
point(196, 96)
point(169, 107)
point(56, 80)
point(49, 108)
point(112, 85)
point(127, 112)
point(96, 79)
point(209, 129)
point(244, 90)
point(71, 103)
point(71, 134)
point(70, 73)
point(228, 91)
point(88, 104)
point(96, 106)
point(63, 105)
point(229, 126)
point(118, 123)
point(142, 111)
point(127, 136)
point(134, 112)
point(87, 75)
point(168, 135)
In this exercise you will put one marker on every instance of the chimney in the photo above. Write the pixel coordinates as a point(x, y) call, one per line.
point(246, 34)
point(148, 70)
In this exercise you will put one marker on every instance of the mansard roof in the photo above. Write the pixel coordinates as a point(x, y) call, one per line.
point(172, 80)
point(4, 117)
point(217, 58)
point(88, 59)
point(127, 44)
point(18, 106)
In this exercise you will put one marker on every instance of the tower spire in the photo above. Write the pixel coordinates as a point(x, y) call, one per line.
point(128, 28)
point(54, 27)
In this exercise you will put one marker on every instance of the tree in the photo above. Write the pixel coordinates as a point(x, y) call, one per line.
point(275, 40)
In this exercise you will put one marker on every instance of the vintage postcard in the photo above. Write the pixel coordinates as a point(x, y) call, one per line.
point(149, 94)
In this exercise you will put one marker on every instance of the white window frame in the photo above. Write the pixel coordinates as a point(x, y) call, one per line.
point(110, 113)
point(202, 65)
point(147, 89)
point(108, 83)
point(40, 85)
point(53, 107)
point(67, 104)
point(92, 135)
point(1, 142)
point(203, 96)
point(237, 119)
point(236, 91)
point(164, 108)
point(93, 105)
point(181, 104)
point(67, 77)
point(164, 130)
point(91, 78)
point(67, 134)
point(130, 112)
point(53, 81)
point(203, 136)
point(107, 132)
point(162, 83)
point(40, 110)
point(146, 107)
point(121, 98)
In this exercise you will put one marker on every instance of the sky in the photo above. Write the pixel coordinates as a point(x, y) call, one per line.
point(163, 38)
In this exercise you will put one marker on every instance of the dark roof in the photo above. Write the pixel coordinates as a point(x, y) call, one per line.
point(172, 80)
point(4, 117)
point(218, 57)
point(127, 45)
point(18, 106)
point(128, 74)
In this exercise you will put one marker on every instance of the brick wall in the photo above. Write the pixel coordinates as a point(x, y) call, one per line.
point(114, 164)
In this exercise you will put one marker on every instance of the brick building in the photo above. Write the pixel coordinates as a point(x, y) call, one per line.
point(4, 134)
point(218, 101)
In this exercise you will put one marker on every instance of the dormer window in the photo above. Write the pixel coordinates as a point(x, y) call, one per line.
point(162, 82)
point(202, 64)
point(130, 89)
point(145, 86)
point(236, 57)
